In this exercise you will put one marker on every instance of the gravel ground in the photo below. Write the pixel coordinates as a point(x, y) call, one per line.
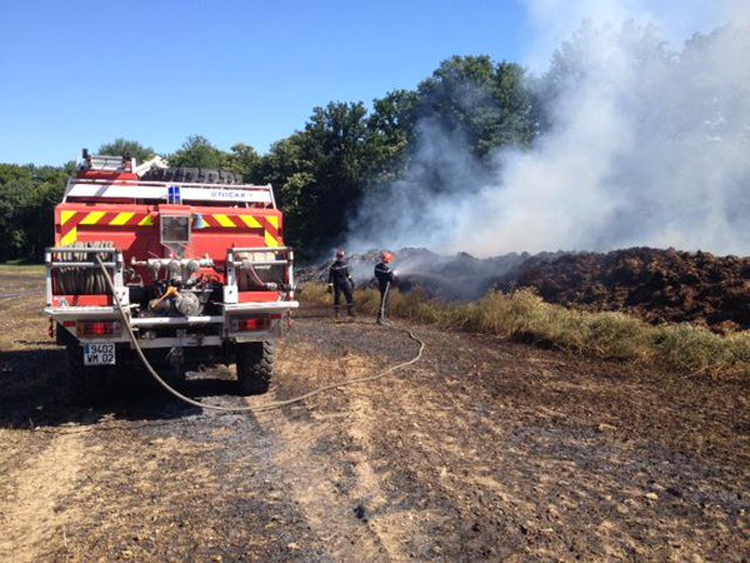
point(484, 450)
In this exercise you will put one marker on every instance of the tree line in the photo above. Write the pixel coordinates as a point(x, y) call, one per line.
point(321, 172)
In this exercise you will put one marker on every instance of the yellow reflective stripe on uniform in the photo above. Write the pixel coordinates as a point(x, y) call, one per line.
point(271, 242)
point(251, 221)
point(121, 218)
point(65, 216)
point(223, 220)
point(70, 237)
point(92, 218)
point(146, 221)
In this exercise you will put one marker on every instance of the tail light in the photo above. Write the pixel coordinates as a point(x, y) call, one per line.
point(252, 324)
point(99, 329)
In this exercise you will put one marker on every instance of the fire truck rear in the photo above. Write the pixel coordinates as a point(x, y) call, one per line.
point(198, 263)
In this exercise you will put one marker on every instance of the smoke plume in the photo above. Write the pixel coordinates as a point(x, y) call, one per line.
point(648, 144)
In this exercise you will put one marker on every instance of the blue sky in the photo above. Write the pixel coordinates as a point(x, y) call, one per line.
point(79, 73)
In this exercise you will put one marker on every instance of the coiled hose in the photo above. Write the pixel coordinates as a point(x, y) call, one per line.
point(75, 280)
point(254, 408)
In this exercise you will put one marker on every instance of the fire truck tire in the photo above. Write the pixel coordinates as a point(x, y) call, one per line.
point(192, 175)
point(186, 175)
point(255, 367)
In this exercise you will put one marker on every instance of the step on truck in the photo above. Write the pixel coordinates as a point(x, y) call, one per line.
point(196, 258)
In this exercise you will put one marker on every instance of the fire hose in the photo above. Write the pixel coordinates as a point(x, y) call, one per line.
point(248, 408)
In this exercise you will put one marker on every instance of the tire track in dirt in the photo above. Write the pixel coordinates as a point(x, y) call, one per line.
point(33, 511)
point(368, 491)
point(322, 481)
point(369, 494)
point(327, 454)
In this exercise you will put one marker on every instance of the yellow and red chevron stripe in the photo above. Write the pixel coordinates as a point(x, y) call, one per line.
point(71, 220)
point(268, 223)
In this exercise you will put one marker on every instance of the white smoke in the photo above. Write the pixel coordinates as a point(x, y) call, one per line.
point(649, 145)
point(553, 21)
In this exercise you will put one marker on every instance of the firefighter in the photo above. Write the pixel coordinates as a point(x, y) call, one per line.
point(385, 277)
point(340, 281)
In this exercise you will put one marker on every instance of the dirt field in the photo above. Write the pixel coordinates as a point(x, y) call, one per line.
point(482, 451)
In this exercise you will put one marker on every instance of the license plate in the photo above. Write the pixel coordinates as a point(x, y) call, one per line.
point(100, 354)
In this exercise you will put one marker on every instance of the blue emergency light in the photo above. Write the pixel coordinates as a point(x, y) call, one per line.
point(173, 195)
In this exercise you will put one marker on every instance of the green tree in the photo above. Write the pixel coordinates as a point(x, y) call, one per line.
point(48, 188)
point(198, 152)
point(28, 196)
point(243, 160)
point(320, 174)
point(336, 141)
point(15, 192)
point(391, 127)
point(120, 147)
point(283, 167)
point(486, 103)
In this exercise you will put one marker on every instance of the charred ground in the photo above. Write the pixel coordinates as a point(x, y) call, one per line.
point(485, 450)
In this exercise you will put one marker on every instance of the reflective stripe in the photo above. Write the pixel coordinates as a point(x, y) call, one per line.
point(223, 220)
point(121, 218)
point(269, 224)
point(271, 241)
point(251, 221)
point(65, 216)
point(69, 238)
point(146, 221)
point(92, 218)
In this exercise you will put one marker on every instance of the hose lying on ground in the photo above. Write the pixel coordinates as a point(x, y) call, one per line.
point(250, 408)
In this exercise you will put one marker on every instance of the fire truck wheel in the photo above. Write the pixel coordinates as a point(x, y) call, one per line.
point(85, 384)
point(195, 175)
point(255, 367)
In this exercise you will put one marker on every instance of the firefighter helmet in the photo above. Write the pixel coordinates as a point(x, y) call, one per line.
point(386, 257)
point(340, 253)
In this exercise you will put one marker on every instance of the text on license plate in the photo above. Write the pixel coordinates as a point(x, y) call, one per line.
point(100, 354)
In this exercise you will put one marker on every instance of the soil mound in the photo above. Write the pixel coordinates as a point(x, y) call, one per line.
point(656, 285)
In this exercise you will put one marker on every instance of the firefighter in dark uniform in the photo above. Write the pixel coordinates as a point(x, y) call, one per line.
point(385, 277)
point(341, 281)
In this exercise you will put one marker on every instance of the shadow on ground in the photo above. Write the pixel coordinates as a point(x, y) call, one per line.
point(33, 393)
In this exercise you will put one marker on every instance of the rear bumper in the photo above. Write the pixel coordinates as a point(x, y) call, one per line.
point(168, 332)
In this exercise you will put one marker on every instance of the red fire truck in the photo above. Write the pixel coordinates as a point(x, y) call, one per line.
point(197, 260)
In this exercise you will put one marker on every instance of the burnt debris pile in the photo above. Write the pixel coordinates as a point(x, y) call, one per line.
point(461, 277)
point(655, 285)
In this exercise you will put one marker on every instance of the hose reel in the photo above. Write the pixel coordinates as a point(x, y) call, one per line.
point(81, 280)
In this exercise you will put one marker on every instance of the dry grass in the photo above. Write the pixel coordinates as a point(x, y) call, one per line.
point(523, 316)
point(21, 269)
